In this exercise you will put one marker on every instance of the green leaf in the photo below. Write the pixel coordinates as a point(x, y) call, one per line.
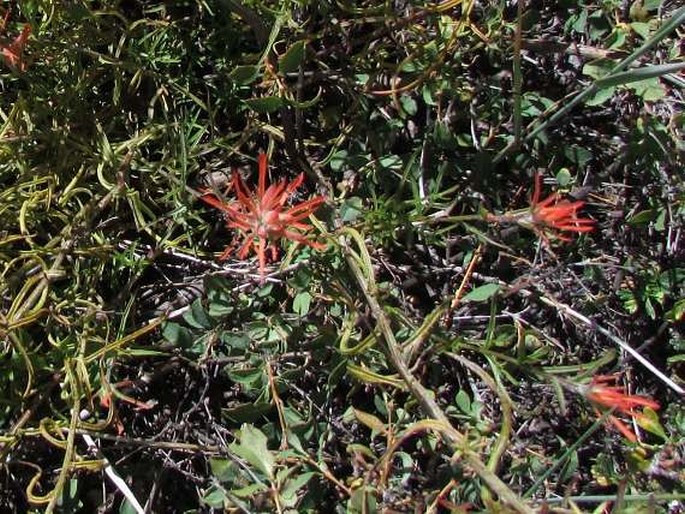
point(177, 335)
point(246, 376)
point(258, 330)
point(292, 486)
point(677, 312)
point(651, 5)
point(532, 104)
point(249, 491)
point(660, 223)
point(301, 303)
point(215, 497)
point(244, 75)
point(290, 61)
point(443, 136)
point(563, 177)
point(616, 39)
point(252, 447)
point(579, 22)
point(370, 421)
point(235, 342)
point(600, 96)
point(463, 401)
point(219, 303)
point(649, 308)
point(649, 90)
point(482, 293)
point(127, 508)
point(427, 95)
point(197, 317)
point(577, 155)
point(640, 28)
point(363, 500)
point(408, 105)
point(246, 412)
point(264, 291)
point(643, 217)
point(630, 303)
point(222, 469)
point(650, 422)
point(598, 26)
point(599, 68)
point(265, 104)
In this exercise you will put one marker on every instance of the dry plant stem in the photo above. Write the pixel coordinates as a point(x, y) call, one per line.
point(6, 437)
point(517, 75)
point(625, 346)
point(16, 431)
point(433, 507)
point(116, 479)
point(279, 406)
point(597, 498)
point(326, 473)
point(421, 335)
point(562, 307)
point(464, 282)
point(502, 440)
point(455, 439)
point(56, 493)
point(88, 214)
point(541, 124)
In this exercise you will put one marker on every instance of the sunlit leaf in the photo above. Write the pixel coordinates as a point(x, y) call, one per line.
point(370, 421)
point(252, 447)
point(482, 293)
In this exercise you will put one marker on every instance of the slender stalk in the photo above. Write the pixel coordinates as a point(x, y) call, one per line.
point(561, 460)
point(71, 438)
point(364, 276)
point(516, 73)
point(671, 24)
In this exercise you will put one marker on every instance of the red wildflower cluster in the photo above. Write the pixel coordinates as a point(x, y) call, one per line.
point(557, 216)
point(13, 52)
point(263, 216)
point(607, 396)
point(548, 218)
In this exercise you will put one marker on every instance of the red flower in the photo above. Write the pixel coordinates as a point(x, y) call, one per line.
point(13, 53)
point(614, 397)
point(554, 216)
point(263, 217)
point(548, 218)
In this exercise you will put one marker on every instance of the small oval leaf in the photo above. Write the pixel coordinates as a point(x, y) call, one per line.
point(243, 75)
point(301, 303)
point(292, 58)
point(265, 104)
point(482, 293)
point(252, 447)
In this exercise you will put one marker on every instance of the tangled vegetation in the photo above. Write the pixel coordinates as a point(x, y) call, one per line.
point(468, 287)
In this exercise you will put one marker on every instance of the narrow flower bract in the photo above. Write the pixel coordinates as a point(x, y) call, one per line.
point(13, 53)
point(263, 217)
point(604, 395)
point(550, 218)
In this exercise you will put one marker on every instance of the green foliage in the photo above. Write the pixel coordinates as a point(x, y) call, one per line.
point(323, 388)
point(654, 290)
